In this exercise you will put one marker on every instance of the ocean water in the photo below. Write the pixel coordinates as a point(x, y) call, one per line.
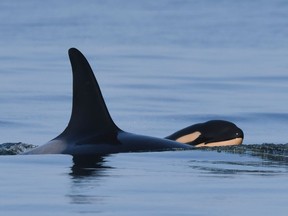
point(162, 65)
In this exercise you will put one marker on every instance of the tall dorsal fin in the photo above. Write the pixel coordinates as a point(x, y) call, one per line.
point(89, 112)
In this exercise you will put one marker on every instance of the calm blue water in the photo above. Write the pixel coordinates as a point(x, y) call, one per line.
point(162, 65)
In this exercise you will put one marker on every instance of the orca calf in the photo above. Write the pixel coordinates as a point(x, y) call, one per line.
point(209, 134)
point(91, 130)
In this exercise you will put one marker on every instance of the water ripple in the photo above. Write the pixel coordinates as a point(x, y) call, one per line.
point(14, 148)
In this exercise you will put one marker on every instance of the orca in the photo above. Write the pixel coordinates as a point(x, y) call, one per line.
point(91, 130)
point(209, 134)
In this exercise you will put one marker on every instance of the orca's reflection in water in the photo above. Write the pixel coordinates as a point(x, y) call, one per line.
point(88, 174)
point(89, 165)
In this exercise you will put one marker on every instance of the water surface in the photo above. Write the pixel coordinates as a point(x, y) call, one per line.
point(162, 65)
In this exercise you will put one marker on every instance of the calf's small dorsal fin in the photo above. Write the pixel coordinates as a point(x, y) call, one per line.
point(89, 112)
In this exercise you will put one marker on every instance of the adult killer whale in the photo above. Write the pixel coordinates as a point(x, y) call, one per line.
point(91, 130)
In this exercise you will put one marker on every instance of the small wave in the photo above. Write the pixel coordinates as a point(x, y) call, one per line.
point(14, 148)
point(266, 151)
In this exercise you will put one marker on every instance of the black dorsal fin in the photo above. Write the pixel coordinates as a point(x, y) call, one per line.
point(89, 112)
